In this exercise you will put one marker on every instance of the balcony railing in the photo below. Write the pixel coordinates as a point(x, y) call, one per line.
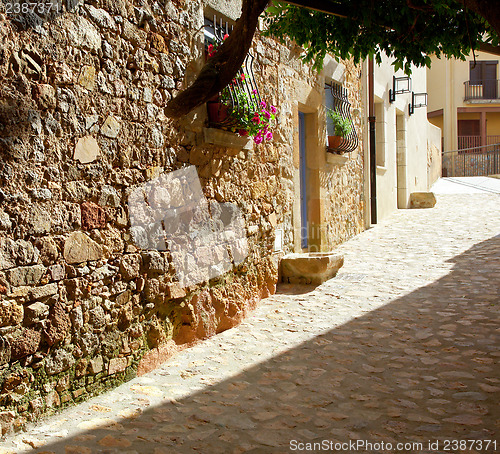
point(465, 142)
point(481, 89)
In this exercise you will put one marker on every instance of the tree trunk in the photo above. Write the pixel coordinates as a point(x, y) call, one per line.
point(223, 66)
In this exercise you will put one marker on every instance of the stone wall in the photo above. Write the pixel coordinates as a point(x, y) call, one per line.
point(82, 307)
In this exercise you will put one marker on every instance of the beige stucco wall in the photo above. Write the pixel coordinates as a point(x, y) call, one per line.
point(402, 146)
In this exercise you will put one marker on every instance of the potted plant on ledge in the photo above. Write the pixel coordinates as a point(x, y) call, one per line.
point(341, 127)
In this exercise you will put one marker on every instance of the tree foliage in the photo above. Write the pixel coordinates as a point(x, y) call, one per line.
point(409, 31)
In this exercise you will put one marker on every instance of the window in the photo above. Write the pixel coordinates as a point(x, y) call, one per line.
point(484, 74)
point(336, 99)
point(482, 70)
point(329, 104)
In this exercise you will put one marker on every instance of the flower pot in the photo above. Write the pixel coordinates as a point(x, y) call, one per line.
point(334, 141)
point(217, 112)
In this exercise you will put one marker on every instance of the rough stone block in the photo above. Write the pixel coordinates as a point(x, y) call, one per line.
point(6, 421)
point(117, 365)
point(57, 272)
point(11, 313)
point(82, 34)
point(80, 248)
point(86, 150)
point(130, 266)
point(18, 252)
point(58, 326)
point(96, 365)
point(47, 249)
point(422, 200)
point(38, 293)
point(101, 17)
point(25, 275)
point(35, 312)
point(26, 343)
point(310, 268)
point(175, 290)
point(109, 197)
point(153, 262)
point(110, 127)
point(93, 216)
point(59, 361)
point(5, 351)
point(45, 95)
point(7, 253)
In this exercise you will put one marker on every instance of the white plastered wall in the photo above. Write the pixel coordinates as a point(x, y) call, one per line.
point(402, 146)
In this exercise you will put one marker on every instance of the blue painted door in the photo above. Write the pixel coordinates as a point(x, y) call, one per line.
point(303, 180)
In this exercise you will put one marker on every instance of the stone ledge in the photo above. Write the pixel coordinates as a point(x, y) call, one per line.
point(310, 268)
point(336, 159)
point(226, 139)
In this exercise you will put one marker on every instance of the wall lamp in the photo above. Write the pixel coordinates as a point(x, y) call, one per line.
point(417, 100)
point(400, 85)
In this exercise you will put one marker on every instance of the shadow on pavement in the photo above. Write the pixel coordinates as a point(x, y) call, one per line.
point(424, 367)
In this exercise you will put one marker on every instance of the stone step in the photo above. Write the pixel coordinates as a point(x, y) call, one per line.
point(310, 267)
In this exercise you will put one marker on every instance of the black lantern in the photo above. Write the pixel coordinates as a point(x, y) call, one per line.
point(400, 85)
point(417, 100)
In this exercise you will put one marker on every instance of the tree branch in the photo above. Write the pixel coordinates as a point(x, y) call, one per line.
point(220, 69)
point(485, 47)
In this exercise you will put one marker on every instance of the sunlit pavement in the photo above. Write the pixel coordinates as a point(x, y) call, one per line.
point(401, 347)
point(467, 185)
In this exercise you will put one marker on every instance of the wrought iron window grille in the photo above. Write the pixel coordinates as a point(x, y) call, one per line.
point(342, 106)
point(240, 98)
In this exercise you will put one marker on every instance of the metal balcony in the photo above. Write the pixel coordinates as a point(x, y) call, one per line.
point(486, 89)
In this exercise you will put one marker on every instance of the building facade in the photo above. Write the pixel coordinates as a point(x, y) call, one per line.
point(464, 100)
point(90, 289)
point(407, 146)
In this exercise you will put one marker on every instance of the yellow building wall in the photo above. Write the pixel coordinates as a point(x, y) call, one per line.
point(437, 121)
point(493, 123)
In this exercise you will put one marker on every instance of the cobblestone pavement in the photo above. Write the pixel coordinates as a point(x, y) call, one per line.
point(401, 347)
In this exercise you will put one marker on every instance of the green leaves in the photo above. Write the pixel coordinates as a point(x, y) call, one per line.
point(408, 34)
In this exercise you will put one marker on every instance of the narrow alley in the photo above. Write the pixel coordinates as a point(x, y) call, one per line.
point(400, 347)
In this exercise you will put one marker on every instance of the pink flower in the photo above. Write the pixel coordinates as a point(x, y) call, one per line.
point(273, 109)
point(269, 135)
point(256, 120)
point(258, 139)
point(266, 114)
point(254, 91)
point(263, 104)
point(225, 37)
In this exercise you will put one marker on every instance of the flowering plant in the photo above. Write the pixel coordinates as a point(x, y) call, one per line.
point(252, 117)
point(248, 115)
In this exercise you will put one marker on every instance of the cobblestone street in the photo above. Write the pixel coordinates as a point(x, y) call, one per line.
point(402, 346)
